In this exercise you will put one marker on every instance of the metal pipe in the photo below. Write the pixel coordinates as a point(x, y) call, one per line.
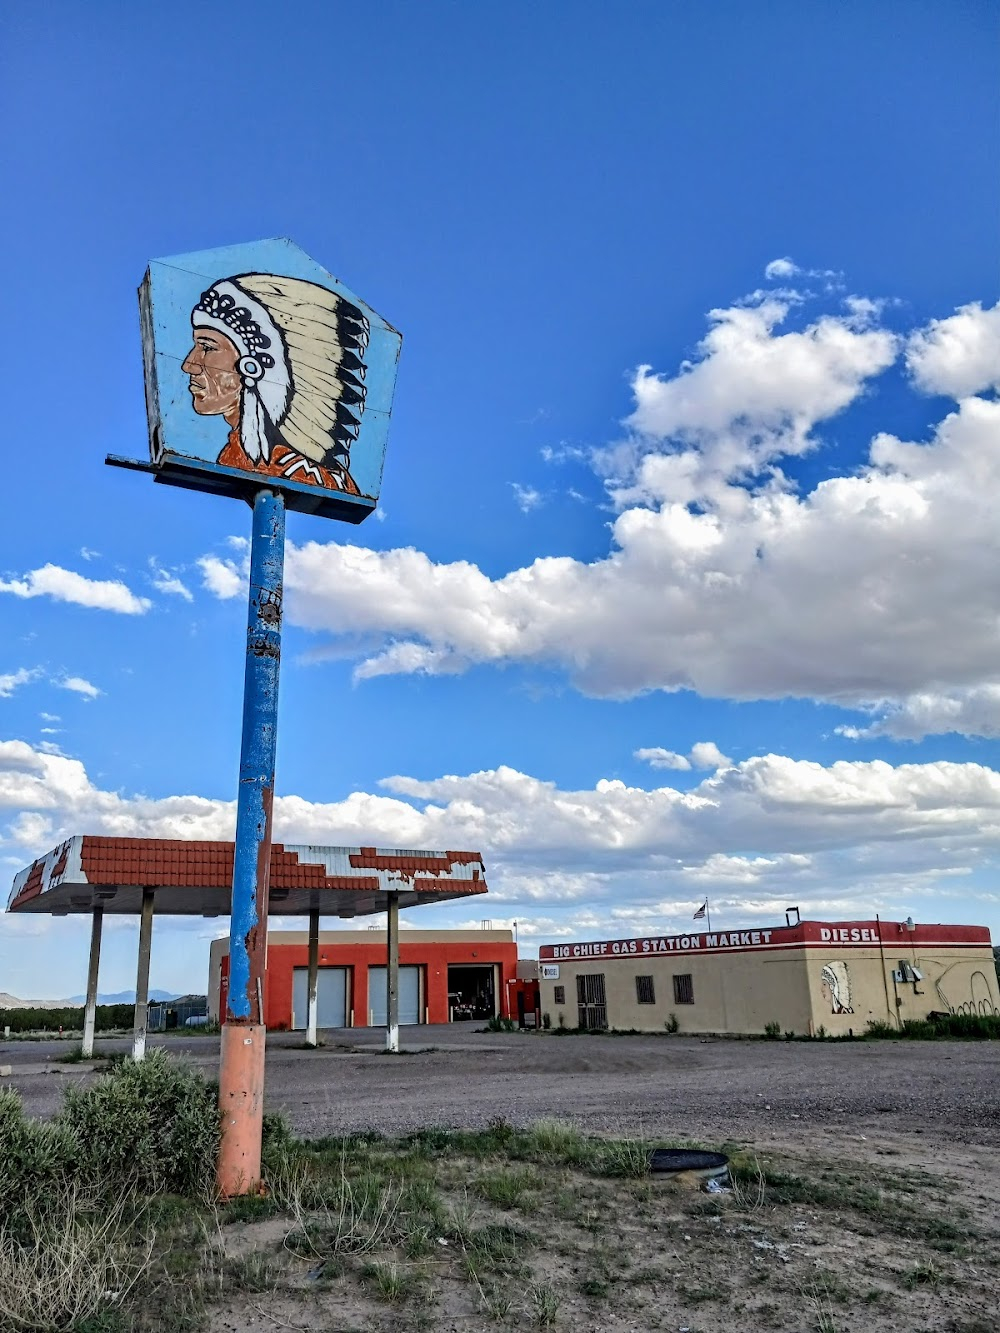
point(392, 976)
point(241, 1068)
point(312, 1007)
point(142, 976)
point(885, 979)
point(90, 1012)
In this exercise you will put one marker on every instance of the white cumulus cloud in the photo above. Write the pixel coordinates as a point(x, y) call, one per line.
point(870, 589)
point(611, 858)
point(65, 585)
point(656, 757)
point(168, 583)
point(781, 268)
point(12, 680)
point(704, 754)
point(77, 685)
point(223, 577)
point(959, 355)
point(527, 497)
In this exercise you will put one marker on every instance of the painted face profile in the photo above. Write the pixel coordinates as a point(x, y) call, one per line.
point(282, 361)
point(214, 384)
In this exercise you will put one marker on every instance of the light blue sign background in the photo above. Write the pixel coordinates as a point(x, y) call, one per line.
point(175, 286)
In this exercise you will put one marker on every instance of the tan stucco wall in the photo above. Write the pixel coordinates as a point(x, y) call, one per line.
point(741, 992)
point(954, 980)
point(732, 992)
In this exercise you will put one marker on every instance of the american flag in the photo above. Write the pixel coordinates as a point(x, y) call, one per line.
point(702, 911)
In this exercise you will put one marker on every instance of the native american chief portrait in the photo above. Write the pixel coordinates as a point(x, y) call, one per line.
point(282, 360)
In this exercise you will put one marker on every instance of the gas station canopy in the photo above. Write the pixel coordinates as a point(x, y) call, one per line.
point(196, 878)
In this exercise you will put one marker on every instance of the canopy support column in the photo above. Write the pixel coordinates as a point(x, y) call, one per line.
point(392, 977)
point(90, 1012)
point(313, 979)
point(142, 976)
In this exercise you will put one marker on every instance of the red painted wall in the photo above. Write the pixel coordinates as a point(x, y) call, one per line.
point(282, 959)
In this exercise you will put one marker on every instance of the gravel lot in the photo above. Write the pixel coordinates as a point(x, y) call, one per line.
point(918, 1121)
point(948, 1092)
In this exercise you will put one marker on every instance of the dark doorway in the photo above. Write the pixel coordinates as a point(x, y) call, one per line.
point(471, 991)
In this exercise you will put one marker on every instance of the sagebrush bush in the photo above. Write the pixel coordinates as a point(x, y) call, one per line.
point(75, 1192)
point(36, 1159)
point(154, 1125)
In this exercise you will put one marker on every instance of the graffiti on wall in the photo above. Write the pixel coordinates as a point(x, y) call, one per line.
point(835, 981)
point(950, 988)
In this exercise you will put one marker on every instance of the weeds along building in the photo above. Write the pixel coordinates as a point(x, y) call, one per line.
point(834, 975)
point(445, 976)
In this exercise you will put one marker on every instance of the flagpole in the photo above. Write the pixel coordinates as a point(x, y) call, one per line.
point(708, 913)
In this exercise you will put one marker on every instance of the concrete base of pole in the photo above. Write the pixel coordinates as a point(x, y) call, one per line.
point(241, 1099)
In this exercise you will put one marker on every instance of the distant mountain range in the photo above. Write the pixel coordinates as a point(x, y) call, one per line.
point(8, 1001)
point(122, 997)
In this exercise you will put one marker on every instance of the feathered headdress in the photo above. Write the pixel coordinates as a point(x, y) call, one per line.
point(302, 362)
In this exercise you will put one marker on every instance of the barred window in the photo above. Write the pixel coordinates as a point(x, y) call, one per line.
point(684, 989)
point(591, 1001)
point(644, 991)
point(559, 994)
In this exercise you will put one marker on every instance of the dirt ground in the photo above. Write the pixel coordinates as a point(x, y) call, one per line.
point(821, 1244)
point(879, 1206)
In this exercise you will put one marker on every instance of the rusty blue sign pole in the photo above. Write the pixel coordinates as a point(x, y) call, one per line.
point(241, 1073)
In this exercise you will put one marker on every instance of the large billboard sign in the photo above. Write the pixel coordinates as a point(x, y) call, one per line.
point(264, 370)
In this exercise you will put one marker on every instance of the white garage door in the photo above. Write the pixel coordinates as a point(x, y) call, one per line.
point(332, 996)
point(409, 995)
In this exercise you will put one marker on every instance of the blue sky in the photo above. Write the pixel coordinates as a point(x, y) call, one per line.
point(581, 570)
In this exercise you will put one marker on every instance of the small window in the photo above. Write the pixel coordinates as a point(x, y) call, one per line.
point(644, 992)
point(684, 989)
point(559, 994)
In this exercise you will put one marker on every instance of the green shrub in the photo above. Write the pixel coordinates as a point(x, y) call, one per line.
point(981, 1027)
point(918, 1029)
point(500, 1024)
point(154, 1125)
point(772, 1030)
point(967, 1025)
point(672, 1023)
point(36, 1159)
point(878, 1027)
point(277, 1142)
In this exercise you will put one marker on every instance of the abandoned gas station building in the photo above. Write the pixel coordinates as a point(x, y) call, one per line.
point(93, 875)
point(444, 976)
point(835, 975)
